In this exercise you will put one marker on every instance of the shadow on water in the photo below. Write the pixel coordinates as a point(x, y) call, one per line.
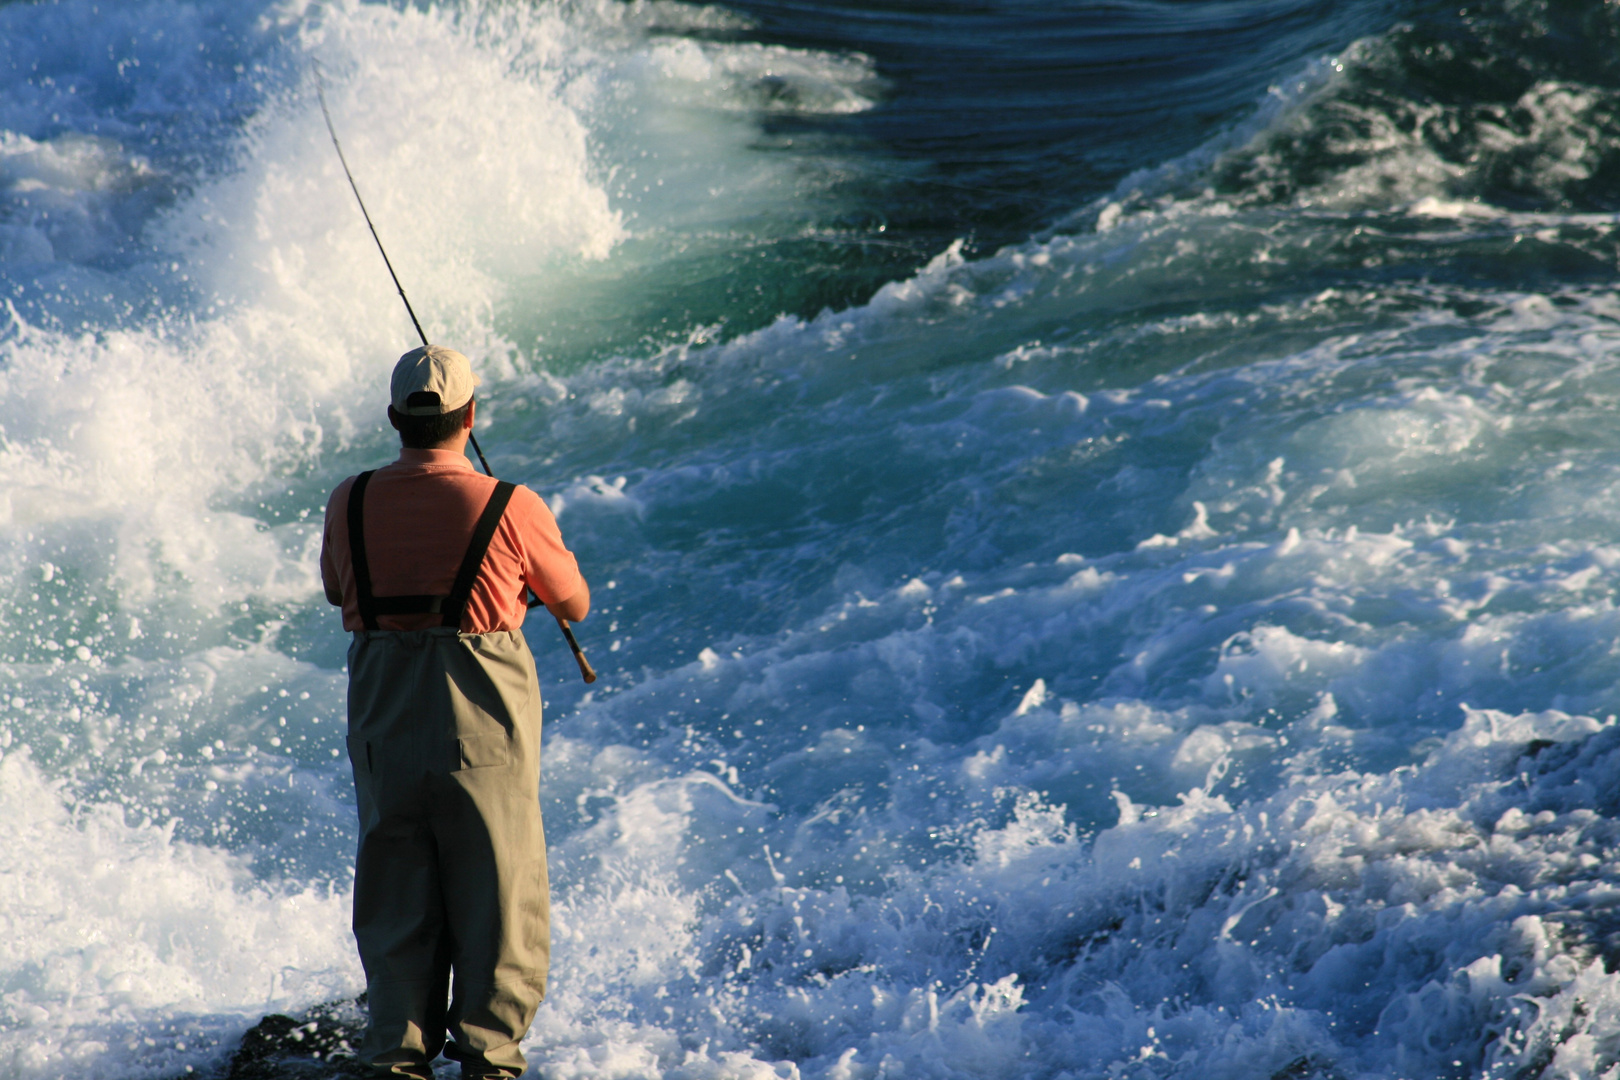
point(1004, 116)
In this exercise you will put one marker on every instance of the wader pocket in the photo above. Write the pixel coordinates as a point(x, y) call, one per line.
point(359, 754)
point(484, 751)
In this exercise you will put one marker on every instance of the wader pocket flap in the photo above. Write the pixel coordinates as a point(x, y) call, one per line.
point(482, 751)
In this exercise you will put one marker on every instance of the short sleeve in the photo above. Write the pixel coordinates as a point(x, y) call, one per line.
point(549, 568)
point(331, 578)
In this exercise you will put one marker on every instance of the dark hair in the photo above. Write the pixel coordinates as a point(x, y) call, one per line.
point(426, 432)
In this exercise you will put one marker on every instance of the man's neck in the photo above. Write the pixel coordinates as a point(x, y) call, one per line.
point(431, 453)
point(456, 445)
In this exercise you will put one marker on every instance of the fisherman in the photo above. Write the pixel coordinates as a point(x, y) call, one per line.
point(430, 562)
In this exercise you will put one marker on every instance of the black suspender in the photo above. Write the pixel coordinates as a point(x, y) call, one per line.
point(483, 533)
point(451, 606)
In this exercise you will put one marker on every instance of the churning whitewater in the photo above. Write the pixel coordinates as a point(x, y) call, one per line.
point(1105, 521)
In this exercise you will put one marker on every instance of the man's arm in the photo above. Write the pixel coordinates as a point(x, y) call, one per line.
point(549, 567)
point(575, 607)
point(329, 571)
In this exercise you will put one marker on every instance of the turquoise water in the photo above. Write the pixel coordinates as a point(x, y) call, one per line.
point(1101, 515)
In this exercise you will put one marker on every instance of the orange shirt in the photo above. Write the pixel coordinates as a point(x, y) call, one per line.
point(420, 513)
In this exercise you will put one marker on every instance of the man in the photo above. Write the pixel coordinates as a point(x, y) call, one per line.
point(430, 562)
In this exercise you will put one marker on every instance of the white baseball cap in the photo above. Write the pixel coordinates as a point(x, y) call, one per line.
point(430, 381)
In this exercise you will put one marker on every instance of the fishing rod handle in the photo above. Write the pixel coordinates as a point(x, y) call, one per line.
point(586, 672)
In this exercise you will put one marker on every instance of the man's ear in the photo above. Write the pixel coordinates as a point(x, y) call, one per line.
point(472, 411)
point(393, 417)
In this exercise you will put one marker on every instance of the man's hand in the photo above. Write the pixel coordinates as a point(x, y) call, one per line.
point(575, 607)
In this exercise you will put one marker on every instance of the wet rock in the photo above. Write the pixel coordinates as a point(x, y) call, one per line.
point(317, 1044)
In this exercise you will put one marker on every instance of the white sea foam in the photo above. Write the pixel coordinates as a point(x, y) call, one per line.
point(122, 944)
point(1278, 853)
point(1261, 689)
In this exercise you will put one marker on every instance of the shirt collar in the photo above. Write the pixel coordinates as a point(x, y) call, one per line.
point(438, 460)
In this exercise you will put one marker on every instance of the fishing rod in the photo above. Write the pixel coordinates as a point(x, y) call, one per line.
point(586, 671)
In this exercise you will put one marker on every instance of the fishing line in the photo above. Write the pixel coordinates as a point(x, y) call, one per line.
point(585, 669)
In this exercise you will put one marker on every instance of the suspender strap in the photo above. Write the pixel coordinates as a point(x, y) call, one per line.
point(483, 533)
point(450, 607)
point(357, 551)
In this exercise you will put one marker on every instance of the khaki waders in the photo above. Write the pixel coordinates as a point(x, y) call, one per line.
point(444, 737)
